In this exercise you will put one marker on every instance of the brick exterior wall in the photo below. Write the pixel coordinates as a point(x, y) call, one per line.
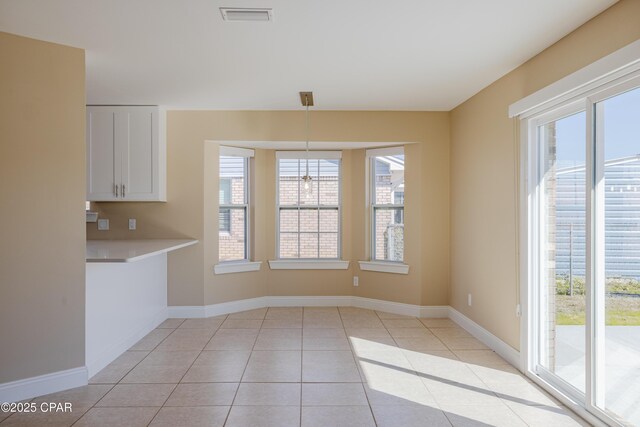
point(318, 229)
point(389, 235)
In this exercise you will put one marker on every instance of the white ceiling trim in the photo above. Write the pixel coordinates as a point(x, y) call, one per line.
point(313, 145)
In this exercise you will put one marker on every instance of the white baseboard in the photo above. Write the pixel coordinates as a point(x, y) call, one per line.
point(97, 364)
point(234, 306)
point(307, 301)
point(186, 311)
point(507, 352)
point(401, 308)
point(43, 384)
point(434, 311)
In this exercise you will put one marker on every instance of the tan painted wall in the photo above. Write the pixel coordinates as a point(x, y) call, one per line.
point(42, 188)
point(191, 209)
point(483, 170)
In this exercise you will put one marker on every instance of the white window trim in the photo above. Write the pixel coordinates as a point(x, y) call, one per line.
point(302, 155)
point(246, 154)
point(384, 267)
point(377, 264)
point(385, 151)
point(308, 264)
point(614, 76)
point(312, 155)
point(236, 151)
point(618, 64)
point(236, 267)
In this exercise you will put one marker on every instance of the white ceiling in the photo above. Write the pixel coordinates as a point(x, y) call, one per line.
point(355, 54)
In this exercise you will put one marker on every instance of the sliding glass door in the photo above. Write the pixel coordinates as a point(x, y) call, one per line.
point(584, 245)
point(617, 277)
point(562, 250)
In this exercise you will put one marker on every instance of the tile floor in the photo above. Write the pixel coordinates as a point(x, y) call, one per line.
point(320, 366)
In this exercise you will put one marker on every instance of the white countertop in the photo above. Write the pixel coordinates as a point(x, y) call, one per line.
point(131, 250)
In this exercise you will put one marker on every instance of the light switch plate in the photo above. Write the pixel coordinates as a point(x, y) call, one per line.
point(132, 223)
point(103, 224)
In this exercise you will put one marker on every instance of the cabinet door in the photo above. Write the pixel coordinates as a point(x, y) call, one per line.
point(137, 141)
point(103, 171)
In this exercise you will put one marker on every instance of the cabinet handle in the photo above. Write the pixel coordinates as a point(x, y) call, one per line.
point(115, 186)
point(122, 190)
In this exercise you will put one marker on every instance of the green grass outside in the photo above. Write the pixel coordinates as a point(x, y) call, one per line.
point(614, 318)
point(620, 311)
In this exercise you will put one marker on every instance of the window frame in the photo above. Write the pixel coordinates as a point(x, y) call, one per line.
point(301, 156)
point(246, 155)
point(371, 156)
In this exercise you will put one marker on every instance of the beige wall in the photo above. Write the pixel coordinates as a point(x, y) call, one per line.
point(192, 191)
point(42, 187)
point(483, 170)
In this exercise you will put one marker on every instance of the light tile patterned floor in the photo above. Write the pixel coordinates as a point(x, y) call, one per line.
point(319, 366)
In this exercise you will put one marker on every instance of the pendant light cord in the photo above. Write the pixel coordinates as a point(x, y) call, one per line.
point(306, 102)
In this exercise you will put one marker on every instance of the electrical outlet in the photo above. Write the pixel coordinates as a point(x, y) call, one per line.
point(355, 281)
point(103, 224)
point(132, 223)
point(469, 300)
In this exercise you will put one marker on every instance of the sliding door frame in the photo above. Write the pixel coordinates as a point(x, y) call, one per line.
point(531, 202)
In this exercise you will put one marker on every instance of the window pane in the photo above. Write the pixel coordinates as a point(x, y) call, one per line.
point(562, 323)
point(329, 220)
point(309, 220)
point(309, 245)
point(311, 199)
point(388, 179)
point(619, 119)
point(289, 220)
point(328, 245)
point(388, 235)
point(329, 182)
point(232, 239)
point(225, 191)
point(288, 245)
point(232, 177)
point(288, 182)
point(224, 220)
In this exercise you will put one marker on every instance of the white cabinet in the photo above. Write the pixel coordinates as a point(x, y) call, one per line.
point(126, 154)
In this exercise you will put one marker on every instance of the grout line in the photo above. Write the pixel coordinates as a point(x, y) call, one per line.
point(185, 372)
point(129, 371)
point(362, 379)
point(235, 395)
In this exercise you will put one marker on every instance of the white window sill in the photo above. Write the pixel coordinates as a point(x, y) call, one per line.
point(236, 267)
point(384, 267)
point(291, 264)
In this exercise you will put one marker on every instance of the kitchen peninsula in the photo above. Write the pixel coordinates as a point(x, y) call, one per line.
point(126, 294)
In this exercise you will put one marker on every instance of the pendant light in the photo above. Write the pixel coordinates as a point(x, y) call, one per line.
point(307, 181)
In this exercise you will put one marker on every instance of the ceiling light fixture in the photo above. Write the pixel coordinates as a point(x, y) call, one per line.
point(239, 14)
point(307, 182)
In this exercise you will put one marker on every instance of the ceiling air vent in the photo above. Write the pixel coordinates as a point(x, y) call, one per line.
point(246, 14)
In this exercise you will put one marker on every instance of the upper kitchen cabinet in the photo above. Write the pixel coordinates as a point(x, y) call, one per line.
point(126, 154)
